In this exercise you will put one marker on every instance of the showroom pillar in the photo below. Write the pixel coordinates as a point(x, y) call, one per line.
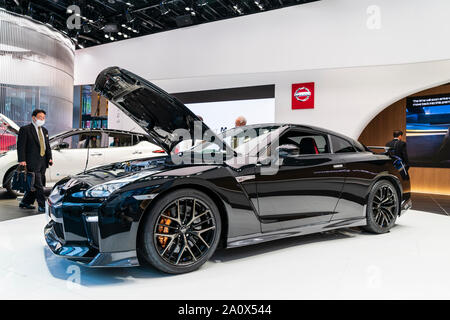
point(36, 71)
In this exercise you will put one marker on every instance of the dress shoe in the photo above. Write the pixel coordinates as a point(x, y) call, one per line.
point(26, 206)
point(41, 209)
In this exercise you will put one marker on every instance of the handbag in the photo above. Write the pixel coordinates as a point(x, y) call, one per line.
point(23, 181)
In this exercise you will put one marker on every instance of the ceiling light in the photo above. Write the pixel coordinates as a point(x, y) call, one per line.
point(187, 9)
point(125, 36)
point(106, 36)
point(119, 33)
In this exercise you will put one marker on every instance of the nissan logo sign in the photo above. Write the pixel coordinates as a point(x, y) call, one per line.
point(302, 94)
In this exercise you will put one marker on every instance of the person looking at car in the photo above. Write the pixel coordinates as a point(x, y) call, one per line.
point(115, 143)
point(93, 142)
point(34, 153)
point(399, 147)
point(240, 121)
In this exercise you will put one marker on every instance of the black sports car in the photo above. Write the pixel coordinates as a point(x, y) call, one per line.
point(248, 185)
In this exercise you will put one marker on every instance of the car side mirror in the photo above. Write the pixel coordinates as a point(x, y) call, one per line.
point(286, 150)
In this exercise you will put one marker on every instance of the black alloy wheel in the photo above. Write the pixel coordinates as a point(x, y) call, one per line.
point(382, 207)
point(182, 232)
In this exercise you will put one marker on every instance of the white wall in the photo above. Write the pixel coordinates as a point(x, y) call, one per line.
point(358, 71)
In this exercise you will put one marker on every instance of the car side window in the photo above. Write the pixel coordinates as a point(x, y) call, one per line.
point(119, 140)
point(341, 145)
point(68, 142)
point(306, 142)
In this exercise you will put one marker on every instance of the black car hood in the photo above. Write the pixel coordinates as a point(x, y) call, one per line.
point(157, 112)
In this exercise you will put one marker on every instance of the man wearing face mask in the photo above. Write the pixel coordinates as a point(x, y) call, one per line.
point(34, 152)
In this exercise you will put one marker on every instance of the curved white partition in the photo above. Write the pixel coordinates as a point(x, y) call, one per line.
point(36, 71)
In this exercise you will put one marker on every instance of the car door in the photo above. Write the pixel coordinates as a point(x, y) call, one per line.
point(307, 185)
point(69, 157)
point(361, 170)
point(98, 149)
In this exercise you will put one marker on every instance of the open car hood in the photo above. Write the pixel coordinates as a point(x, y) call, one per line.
point(157, 112)
point(8, 124)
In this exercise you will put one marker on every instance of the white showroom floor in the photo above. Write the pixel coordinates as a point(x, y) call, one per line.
point(412, 261)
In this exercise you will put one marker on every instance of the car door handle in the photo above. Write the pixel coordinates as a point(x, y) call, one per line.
point(137, 152)
point(338, 166)
point(96, 154)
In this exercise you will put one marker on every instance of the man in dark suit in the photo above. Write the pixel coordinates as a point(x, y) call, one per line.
point(399, 147)
point(34, 152)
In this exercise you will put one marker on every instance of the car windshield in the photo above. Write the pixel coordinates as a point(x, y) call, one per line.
point(243, 140)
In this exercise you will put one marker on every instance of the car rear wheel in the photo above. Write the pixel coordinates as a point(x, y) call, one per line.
point(181, 232)
point(382, 207)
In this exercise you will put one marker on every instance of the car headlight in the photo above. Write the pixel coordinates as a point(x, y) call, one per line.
point(55, 192)
point(104, 190)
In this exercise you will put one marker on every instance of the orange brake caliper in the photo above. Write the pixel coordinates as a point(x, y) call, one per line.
point(161, 229)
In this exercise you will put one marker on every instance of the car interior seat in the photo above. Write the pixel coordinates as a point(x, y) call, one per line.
point(308, 146)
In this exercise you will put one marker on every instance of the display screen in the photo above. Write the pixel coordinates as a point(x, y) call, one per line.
point(427, 130)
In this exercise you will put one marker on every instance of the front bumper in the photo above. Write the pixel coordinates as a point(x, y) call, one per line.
point(84, 249)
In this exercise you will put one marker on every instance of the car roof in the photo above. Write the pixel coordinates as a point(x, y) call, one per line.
point(87, 130)
point(299, 126)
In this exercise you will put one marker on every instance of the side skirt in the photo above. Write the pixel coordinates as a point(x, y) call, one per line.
point(286, 233)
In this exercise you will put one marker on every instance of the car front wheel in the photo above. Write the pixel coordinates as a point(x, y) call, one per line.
point(181, 232)
point(382, 207)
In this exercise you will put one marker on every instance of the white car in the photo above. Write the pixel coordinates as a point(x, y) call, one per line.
point(77, 150)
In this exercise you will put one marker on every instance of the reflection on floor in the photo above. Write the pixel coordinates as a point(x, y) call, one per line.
point(9, 207)
point(409, 262)
point(433, 203)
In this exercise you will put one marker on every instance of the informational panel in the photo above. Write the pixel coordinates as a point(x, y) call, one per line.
point(427, 130)
point(220, 116)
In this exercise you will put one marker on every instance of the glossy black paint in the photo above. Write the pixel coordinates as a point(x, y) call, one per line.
point(307, 193)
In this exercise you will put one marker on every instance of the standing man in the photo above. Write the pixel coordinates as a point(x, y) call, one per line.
point(399, 147)
point(240, 121)
point(34, 152)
